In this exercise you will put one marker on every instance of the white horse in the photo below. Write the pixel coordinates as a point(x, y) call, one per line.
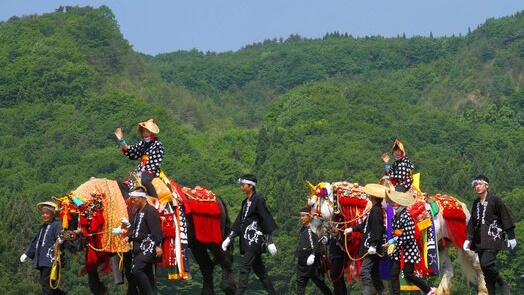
point(346, 200)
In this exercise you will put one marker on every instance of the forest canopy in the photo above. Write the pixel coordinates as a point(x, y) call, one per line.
point(290, 111)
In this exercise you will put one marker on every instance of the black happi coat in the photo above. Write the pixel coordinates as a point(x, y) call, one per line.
point(253, 222)
point(307, 245)
point(489, 223)
point(146, 234)
point(42, 248)
point(373, 230)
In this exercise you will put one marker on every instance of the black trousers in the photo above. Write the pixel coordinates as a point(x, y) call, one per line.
point(144, 277)
point(409, 269)
point(313, 272)
point(370, 272)
point(45, 274)
point(147, 182)
point(253, 261)
point(491, 274)
point(132, 287)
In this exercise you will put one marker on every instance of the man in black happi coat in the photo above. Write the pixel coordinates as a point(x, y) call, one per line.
point(254, 224)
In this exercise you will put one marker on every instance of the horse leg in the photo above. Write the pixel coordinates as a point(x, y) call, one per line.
point(95, 285)
point(446, 272)
point(225, 260)
point(206, 266)
point(470, 264)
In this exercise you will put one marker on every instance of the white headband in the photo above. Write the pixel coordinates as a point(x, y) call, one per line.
point(475, 181)
point(137, 194)
point(247, 181)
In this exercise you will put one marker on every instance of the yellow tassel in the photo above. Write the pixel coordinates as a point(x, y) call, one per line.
point(65, 222)
point(162, 191)
point(54, 273)
point(423, 224)
point(416, 182)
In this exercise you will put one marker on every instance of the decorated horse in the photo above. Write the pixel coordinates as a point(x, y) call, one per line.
point(339, 205)
point(192, 218)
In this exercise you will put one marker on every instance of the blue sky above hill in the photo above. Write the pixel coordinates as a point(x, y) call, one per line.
point(160, 26)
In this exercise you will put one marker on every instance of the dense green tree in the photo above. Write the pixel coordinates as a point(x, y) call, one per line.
point(290, 110)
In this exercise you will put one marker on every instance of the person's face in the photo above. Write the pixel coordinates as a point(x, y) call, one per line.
point(137, 202)
point(246, 188)
point(397, 153)
point(47, 215)
point(145, 133)
point(374, 199)
point(304, 219)
point(481, 188)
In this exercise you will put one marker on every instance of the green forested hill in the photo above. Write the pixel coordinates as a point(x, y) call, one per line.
point(289, 110)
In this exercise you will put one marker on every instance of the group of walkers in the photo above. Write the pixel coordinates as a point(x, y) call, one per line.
point(254, 225)
point(489, 230)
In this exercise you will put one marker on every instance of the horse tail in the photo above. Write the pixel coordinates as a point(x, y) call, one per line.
point(471, 271)
point(466, 266)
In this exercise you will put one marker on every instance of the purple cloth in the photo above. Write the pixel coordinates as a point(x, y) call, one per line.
point(385, 264)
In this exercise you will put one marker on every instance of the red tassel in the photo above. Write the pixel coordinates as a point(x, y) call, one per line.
point(207, 228)
point(456, 231)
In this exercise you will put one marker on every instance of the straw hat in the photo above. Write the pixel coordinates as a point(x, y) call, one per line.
point(376, 190)
point(399, 145)
point(46, 205)
point(149, 125)
point(403, 199)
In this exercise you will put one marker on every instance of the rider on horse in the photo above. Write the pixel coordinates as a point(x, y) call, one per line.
point(150, 151)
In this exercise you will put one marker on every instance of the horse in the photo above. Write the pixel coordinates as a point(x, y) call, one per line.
point(336, 206)
point(191, 217)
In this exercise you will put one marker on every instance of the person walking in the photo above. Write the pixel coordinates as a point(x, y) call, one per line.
point(42, 248)
point(308, 253)
point(146, 234)
point(487, 229)
point(255, 225)
point(372, 240)
point(406, 252)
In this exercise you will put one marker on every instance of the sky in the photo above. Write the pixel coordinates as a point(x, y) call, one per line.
point(162, 26)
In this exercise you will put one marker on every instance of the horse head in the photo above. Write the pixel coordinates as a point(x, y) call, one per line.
point(320, 204)
point(320, 200)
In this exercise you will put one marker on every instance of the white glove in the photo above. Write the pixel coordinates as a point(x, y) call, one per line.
point(60, 240)
point(311, 259)
point(226, 243)
point(512, 244)
point(23, 258)
point(117, 231)
point(466, 245)
point(272, 249)
point(323, 240)
point(125, 222)
point(372, 250)
point(348, 230)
